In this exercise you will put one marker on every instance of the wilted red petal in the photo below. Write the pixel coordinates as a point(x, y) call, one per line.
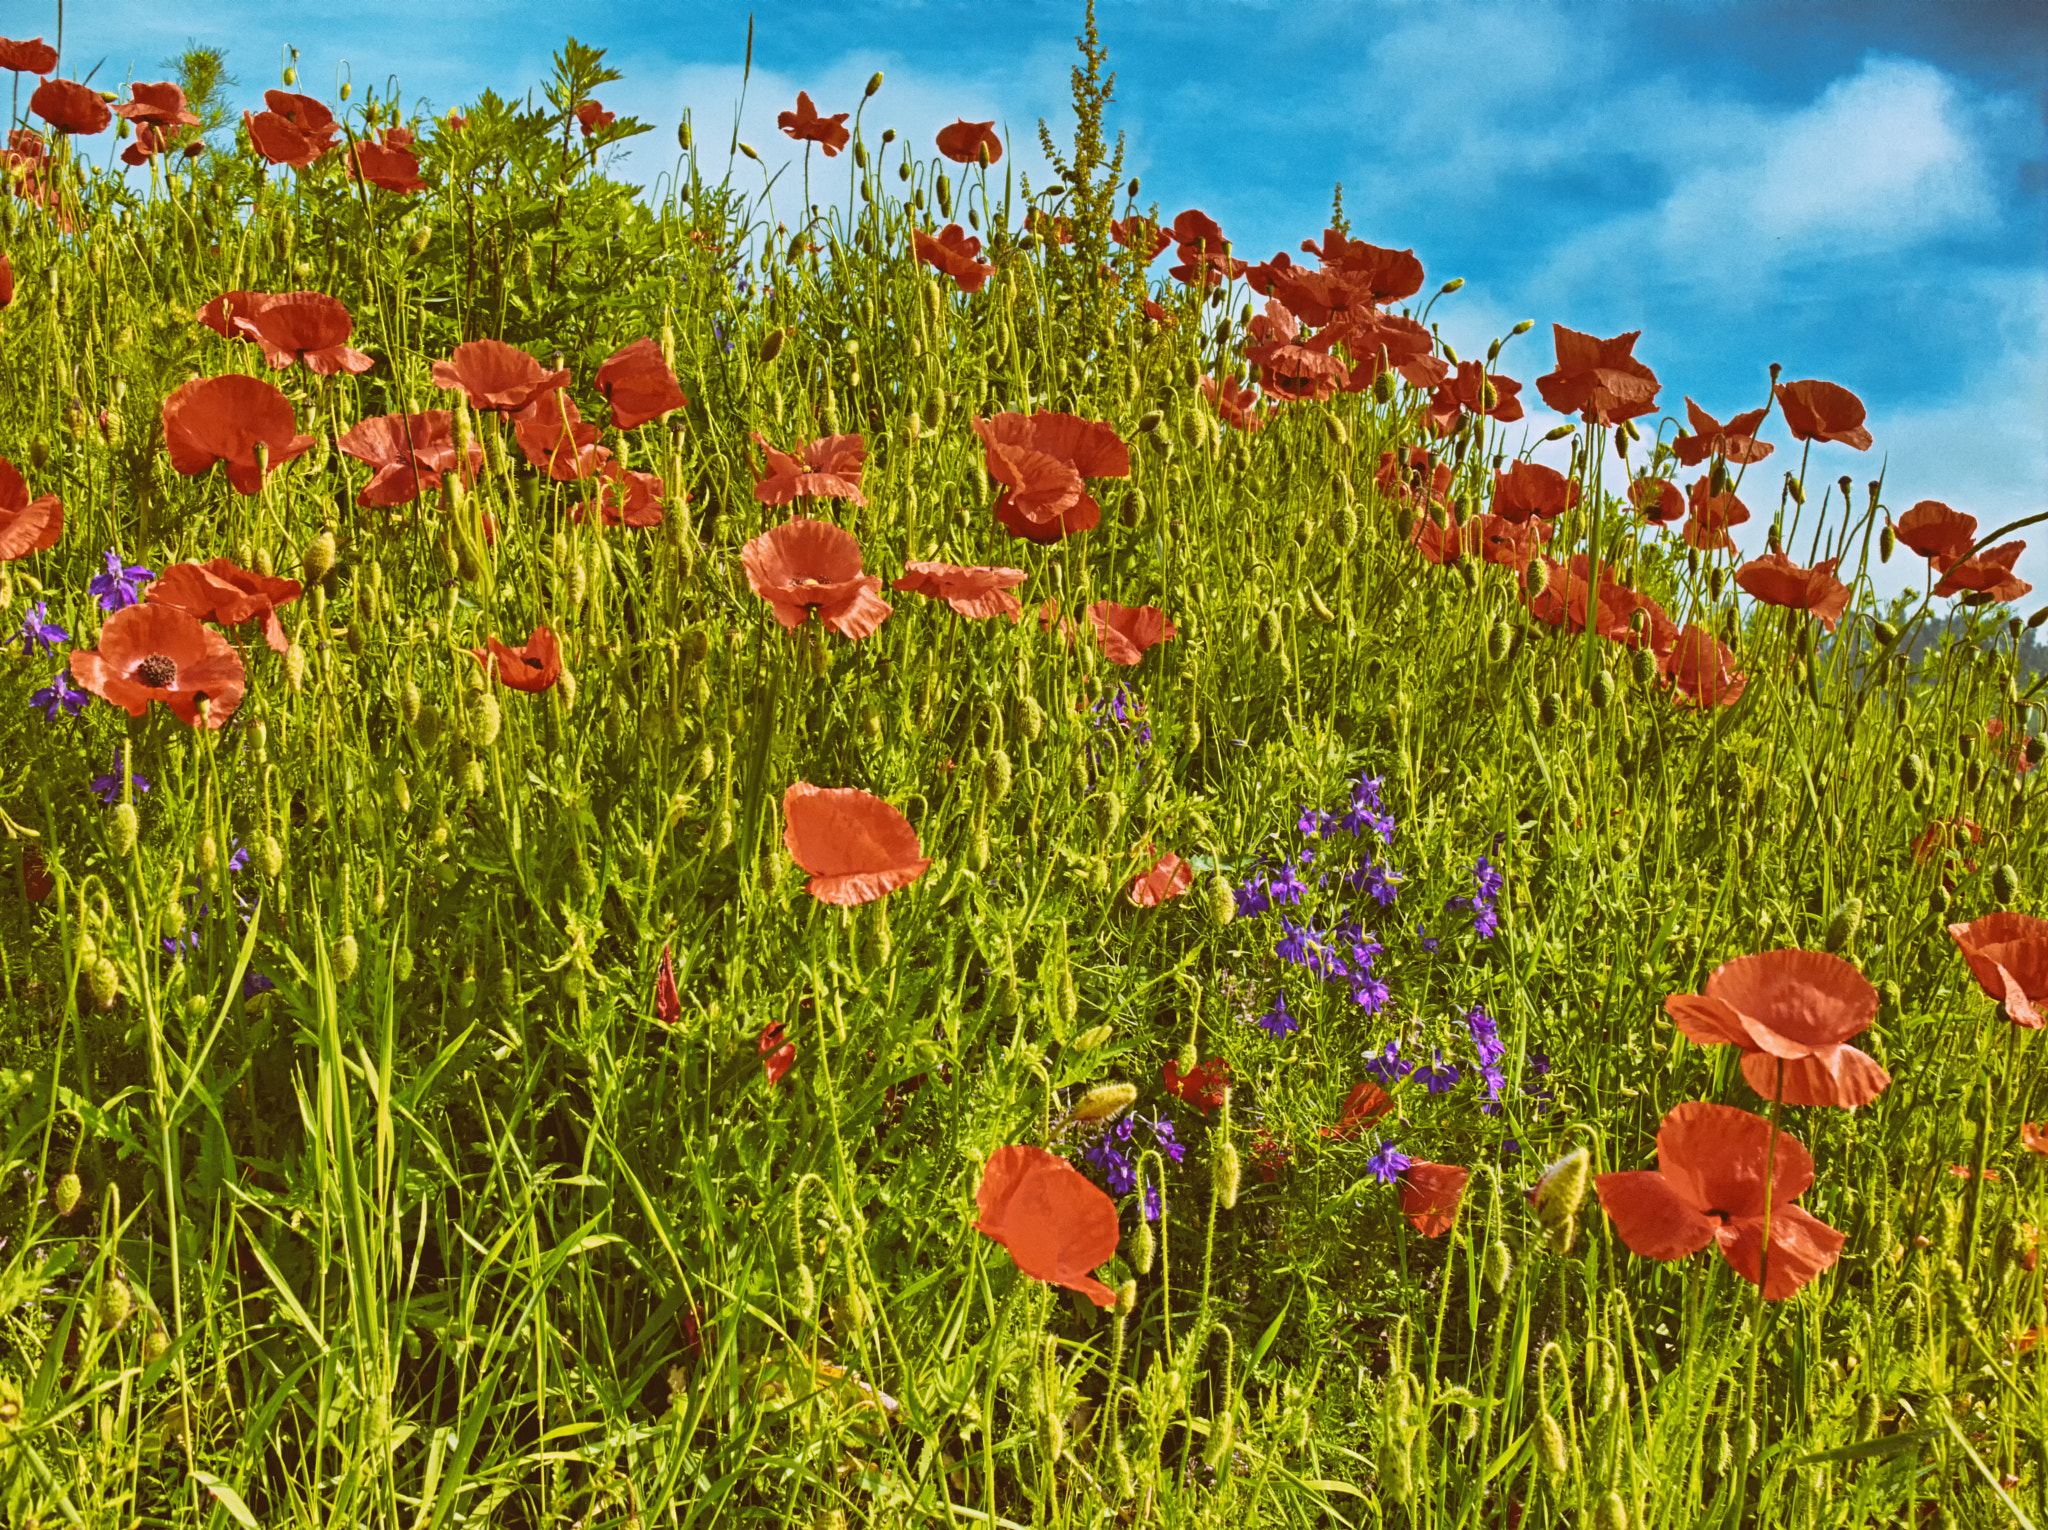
point(1126, 632)
point(1430, 1193)
point(33, 56)
point(1202, 1086)
point(1658, 499)
point(2034, 1138)
point(668, 1003)
point(1599, 379)
point(956, 253)
point(1734, 442)
point(1366, 1103)
point(1528, 489)
point(532, 666)
point(1713, 1156)
point(1057, 1226)
point(830, 468)
point(855, 846)
point(1168, 877)
point(1989, 573)
point(1794, 1002)
point(1841, 1076)
point(1702, 670)
point(805, 565)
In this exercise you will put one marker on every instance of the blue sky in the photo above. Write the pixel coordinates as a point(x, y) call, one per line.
point(1856, 190)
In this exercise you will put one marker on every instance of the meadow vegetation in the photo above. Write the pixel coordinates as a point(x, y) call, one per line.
point(816, 848)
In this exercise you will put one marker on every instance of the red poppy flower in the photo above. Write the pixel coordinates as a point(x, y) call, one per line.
point(1057, 1226)
point(149, 142)
point(1430, 1193)
point(1417, 479)
point(1203, 1086)
point(1792, 1014)
point(592, 118)
point(1142, 235)
point(1776, 580)
point(1530, 489)
point(161, 653)
point(532, 666)
point(1709, 1187)
point(1470, 390)
point(388, 163)
point(1042, 460)
point(1159, 315)
point(1942, 835)
point(975, 592)
point(806, 126)
point(232, 315)
point(1598, 379)
point(1443, 544)
point(160, 105)
point(1125, 632)
point(222, 591)
point(409, 453)
point(1712, 515)
point(31, 57)
point(624, 498)
point(1167, 877)
point(830, 469)
point(2008, 956)
point(496, 376)
point(1989, 574)
point(1204, 253)
point(1627, 616)
point(1381, 275)
point(26, 525)
point(856, 847)
point(1702, 671)
point(1236, 404)
point(965, 142)
point(2016, 754)
point(635, 379)
point(1658, 500)
point(1381, 342)
point(1365, 1104)
point(953, 252)
point(222, 419)
point(305, 326)
point(554, 436)
point(777, 1055)
point(1042, 223)
point(805, 565)
point(668, 1003)
point(1505, 543)
point(1734, 442)
point(1937, 533)
point(1290, 366)
point(296, 130)
point(1823, 411)
point(2034, 1138)
point(70, 107)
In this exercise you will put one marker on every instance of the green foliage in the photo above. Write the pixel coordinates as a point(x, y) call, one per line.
point(352, 1178)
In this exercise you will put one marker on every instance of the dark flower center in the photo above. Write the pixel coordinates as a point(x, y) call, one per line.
point(157, 671)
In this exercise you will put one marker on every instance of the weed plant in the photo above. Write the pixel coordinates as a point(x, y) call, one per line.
point(362, 1167)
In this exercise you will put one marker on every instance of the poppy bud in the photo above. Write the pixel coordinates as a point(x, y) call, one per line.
point(1550, 709)
point(1716, 579)
point(996, 775)
point(1219, 900)
point(1383, 388)
point(1226, 1170)
point(1796, 489)
point(1609, 1512)
point(483, 719)
point(67, 1193)
point(126, 828)
point(104, 981)
point(1105, 1101)
point(1843, 924)
point(874, 85)
point(1869, 1415)
point(2005, 884)
point(1499, 1266)
point(1601, 691)
point(1109, 813)
point(116, 1303)
point(1269, 630)
point(1143, 1244)
point(1912, 771)
point(319, 557)
point(1562, 1188)
point(472, 779)
point(1644, 664)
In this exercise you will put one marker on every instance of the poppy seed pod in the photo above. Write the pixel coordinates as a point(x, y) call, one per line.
point(472, 779)
point(483, 719)
point(67, 1193)
point(1105, 1101)
point(1269, 630)
point(1030, 718)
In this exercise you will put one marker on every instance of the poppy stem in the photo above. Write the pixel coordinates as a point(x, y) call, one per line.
point(1750, 1435)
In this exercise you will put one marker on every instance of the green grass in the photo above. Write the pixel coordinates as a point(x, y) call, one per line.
point(446, 1229)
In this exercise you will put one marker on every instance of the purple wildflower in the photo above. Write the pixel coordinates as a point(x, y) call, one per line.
point(1485, 1034)
point(60, 695)
point(1438, 1076)
point(121, 585)
point(108, 787)
point(1276, 1021)
point(1387, 1164)
point(37, 634)
point(1388, 1067)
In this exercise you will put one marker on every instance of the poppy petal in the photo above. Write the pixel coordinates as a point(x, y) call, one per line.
point(855, 846)
point(1841, 1076)
point(1802, 1246)
point(1430, 1193)
point(1057, 1226)
point(1650, 1216)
